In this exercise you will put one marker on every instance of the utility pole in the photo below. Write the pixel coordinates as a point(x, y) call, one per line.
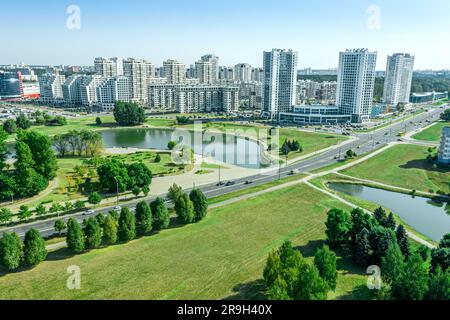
point(219, 174)
point(117, 189)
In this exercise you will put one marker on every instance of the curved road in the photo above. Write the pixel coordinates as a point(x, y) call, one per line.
point(364, 143)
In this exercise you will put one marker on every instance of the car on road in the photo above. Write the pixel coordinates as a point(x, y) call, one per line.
point(248, 182)
point(88, 212)
point(117, 208)
point(220, 184)
point(230, 183)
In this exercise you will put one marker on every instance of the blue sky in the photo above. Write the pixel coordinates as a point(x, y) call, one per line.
point(35, 32)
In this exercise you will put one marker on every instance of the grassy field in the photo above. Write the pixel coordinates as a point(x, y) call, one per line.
point(220, 257)
point(433, 133)
point(158, 122)
point(403, 166)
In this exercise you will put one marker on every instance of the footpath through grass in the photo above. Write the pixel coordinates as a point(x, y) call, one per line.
point(404, 166)
point(433, 133)
point(220, 257)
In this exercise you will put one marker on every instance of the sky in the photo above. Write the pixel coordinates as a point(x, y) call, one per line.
point(37, 32)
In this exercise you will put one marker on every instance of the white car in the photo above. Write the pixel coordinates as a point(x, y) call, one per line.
point(117, 208)
point(88, 212)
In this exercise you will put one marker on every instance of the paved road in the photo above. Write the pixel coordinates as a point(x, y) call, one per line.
point(364, 143)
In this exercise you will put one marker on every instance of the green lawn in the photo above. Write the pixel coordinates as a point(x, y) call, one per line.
point(158, 122)
point(433, 133)
point(220, 257)
point(404, 166)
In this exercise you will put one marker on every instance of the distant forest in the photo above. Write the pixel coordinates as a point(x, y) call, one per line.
point(420, 83)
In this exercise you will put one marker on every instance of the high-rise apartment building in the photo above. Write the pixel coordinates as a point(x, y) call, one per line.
point(112, 90)
point(226, 73)
point(138, 72)
point(174, 71)
point(257, 74)
point(71, 90)
point(50, 86)
point(279, 89)
point(398, 79)
point(243, 72)
point(444, 150)
point(356, 82)
point(204, 71)
point(108, 67)
point(214, 60)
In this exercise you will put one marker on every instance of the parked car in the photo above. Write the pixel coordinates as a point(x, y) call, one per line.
point(88, 212)
point(230, 183)
point(117, 208)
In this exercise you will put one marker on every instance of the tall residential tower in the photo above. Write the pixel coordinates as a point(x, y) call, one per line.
point(280, 73)
point(356, 82)
point(398, 79)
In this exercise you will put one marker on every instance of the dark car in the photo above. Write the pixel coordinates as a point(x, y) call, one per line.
point(230, 183)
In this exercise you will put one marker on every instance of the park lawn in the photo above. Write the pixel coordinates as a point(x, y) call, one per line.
point(310, 141)
point(403, 166)
point(221, 257)
point(433, 133)
point(159, 122)
point(165, 167)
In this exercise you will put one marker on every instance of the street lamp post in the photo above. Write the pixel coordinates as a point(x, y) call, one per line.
point(117, 189)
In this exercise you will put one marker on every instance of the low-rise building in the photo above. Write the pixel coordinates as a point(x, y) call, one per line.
point(315, 114)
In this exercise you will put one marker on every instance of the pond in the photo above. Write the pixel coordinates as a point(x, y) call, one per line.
point(427, 216)
point(229, 149)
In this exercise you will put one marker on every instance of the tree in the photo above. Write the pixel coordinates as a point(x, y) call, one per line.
point(446, 115)
point(381, 216)
point(34, 251)
point(359, 220)
point(92, 234)
point(3, 150)
point(23, 122)
point(390, 222)
point(158, 158)
point(42, 153)
point(310, 286)
point(79, 205)
point(60, 226)
point(174, 193)
point(100, 219)
point(98, 121)
point(146, 190)
point(56, 207)
point(413, 281)
point(362, 251)
point(161, 217)
point(403, 241)
point(338, 228)
point(285, 149)
point(439, 288)
point(127, 225)
point(10, 251)
point(24, 213)
point(95, 198)
point(440, 257)
point(445, 242)
point(200, 203)
point(392, 264)
point(380, 240)
point(10, 126)
point(278, 291)
point(6, 215)
point(325, 261)
point(143, 218)
point(171, 145)
point(136, 191)
point(75, 237)
point(61, 144)
point(185, 209)
point(128, 114)
point(113, 174)
point(41, 210)
point(110, 230)
point(273, 268)
point(68, 206)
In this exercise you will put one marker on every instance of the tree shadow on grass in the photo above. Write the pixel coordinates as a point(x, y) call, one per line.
point(253, 290)
point(424, 164)
point(360, 292)
point(60, 254)
point(309, 249)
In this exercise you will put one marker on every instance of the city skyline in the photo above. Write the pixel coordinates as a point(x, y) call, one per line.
point(153, 32)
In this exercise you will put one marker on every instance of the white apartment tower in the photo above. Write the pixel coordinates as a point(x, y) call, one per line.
point(280, 73)
point(174, 71)
point(356, 82)
point(243, 72)
point(112, 90)
point(214, 60)
point(398, 79)
point(138, 72)
point(204, 71)
point(71, 90)
point(444, 150)
point(50, 86)
point(108, 67)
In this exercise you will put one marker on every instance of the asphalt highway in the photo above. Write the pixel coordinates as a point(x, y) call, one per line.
point(362, 144)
